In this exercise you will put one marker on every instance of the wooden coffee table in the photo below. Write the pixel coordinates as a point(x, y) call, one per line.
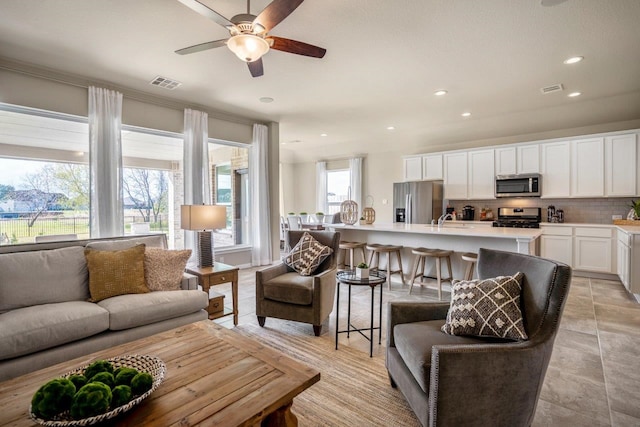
point(214, 377)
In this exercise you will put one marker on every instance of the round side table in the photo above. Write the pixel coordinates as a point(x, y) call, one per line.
point(348, 277)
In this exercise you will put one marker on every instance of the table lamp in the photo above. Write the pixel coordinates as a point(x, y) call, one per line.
point(203, 219)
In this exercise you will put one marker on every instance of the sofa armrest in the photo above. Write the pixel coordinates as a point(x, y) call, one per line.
point(324, 290)
point(189, 282)
point(409, 312)
point(271, 272)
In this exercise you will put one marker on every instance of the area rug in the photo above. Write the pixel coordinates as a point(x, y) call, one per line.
point(353, 390)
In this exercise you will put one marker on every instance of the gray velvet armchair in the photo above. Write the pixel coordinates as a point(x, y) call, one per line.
point(283, 293)
point(472, 381)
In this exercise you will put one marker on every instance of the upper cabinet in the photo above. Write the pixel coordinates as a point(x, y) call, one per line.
point(412, 168)
point(481, 175)
point(587, 167)
point(506, 161)
point(432, 167)
point(556, 169)
point(455, 175)
point(620, 167)
point(528, 158)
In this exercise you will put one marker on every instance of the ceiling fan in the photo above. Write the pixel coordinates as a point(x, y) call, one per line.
point(249, 33)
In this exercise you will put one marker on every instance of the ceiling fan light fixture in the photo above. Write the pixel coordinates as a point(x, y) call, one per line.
point(248, 47)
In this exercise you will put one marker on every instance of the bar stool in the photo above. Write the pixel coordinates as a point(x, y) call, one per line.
point(421, 257)
point(471, 260)
point(351, 247)
point(376, 250)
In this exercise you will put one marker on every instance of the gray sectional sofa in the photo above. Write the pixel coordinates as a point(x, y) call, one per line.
point(45, 315)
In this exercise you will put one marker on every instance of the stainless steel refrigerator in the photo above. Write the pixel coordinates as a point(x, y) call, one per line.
point(417, 202)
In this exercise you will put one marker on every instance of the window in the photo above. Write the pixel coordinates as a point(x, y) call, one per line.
point(337, 188)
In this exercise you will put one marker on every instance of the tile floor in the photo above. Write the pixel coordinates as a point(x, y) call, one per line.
point(593, 377)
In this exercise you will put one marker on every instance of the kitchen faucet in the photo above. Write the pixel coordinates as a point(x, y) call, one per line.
point(443, 218)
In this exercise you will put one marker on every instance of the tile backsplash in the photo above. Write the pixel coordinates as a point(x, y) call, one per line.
point(597, 211)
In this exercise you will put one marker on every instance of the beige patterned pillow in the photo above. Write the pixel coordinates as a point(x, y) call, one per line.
point(163, 268)
point(486, 308)
point(114, 273)
point(307, 255)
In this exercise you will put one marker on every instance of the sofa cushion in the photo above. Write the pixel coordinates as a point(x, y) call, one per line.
point(157, 241)
point(291, 288)
point(414, 342)
point(486, 308)
point(129, 311)
point(43, 277)
point(31, 329)
point(163, 268)
point(114, 273)
point(307, 255)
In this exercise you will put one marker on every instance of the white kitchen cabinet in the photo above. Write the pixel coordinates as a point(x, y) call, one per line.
point(587, 167)
point(455, 175)
point(412, 168)
point(481, 174)
point(432, 167)
point(620, 165)
point(593, 249)
point(556, 243)
point(624, 261)
point(556, 169)
point(506, 161)
point(528, 158)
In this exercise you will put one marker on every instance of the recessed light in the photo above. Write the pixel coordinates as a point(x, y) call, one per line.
point(573, 60)
point(574, 94)
point(390, 127)
point(466, 114)
point(323, 134)
point(440, 92)
point(266, 99)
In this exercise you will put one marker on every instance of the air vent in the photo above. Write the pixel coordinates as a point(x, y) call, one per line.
point(165, 83)
point(553, 88)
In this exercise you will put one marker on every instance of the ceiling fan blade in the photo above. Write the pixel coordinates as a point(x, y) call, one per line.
point(202, 46)
point(256, 68)
point(299, 48)
point(275, 13)
point(205, 11)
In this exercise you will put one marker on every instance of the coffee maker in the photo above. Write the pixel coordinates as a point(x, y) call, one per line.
point(468, 213)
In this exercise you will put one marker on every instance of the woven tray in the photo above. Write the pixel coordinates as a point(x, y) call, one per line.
point(626, 222)
point(143, 363)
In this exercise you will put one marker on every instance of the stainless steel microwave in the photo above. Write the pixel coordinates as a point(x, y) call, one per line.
point(522, 185)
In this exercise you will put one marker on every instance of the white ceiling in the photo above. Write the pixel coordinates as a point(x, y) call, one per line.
point(384, 61)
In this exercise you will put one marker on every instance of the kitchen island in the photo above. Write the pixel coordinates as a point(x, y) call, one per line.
point(457, 236)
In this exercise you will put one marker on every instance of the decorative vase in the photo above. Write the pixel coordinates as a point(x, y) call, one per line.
point(362, 273)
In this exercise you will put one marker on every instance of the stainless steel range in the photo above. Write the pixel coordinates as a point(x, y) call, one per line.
point(518, 217)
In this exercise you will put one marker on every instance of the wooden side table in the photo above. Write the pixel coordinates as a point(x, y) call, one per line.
point(218, 274)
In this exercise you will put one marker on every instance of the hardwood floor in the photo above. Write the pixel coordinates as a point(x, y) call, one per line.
point(593, 377)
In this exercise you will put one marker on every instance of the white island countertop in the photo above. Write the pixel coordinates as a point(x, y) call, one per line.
point(454, 228)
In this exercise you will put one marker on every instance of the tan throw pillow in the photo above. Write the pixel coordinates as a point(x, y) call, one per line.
point(163, 268)
point(307, 255)
point(114, 273)
point(486, 308)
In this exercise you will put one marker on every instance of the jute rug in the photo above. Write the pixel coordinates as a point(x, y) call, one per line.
point(353, 390)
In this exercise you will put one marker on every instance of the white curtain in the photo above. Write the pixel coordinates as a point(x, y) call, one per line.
point(105, 162)
point(321, 188)
point(196, 166)
point(260, 207)
point(355, 166)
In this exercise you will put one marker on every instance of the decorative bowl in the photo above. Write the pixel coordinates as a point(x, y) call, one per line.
point(143, 363)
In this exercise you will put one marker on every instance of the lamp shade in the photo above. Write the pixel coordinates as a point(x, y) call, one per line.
point(203, 217)
point(248, 47)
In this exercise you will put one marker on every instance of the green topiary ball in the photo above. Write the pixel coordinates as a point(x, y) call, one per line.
point(141, 383)
point(125, 375)
point(98, 366)
point(91, 400)
point(105, 378)
point(52, 398)
point(78, 380)
point(121, 395)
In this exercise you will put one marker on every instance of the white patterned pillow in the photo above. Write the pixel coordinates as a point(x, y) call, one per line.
point(486, 308)
point(307, 255)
